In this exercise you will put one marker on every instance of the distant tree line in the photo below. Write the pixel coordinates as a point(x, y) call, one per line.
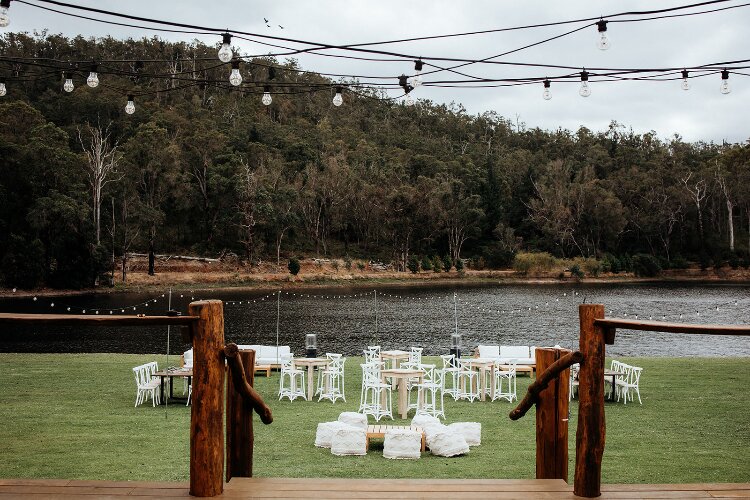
point(207, 171)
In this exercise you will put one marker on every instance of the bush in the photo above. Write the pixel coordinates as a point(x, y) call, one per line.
point(646, 265)
point(575, 271)
point(293, 266)
point(459, 265)
point(447, 263)
point(437, 264)
point(335, 264)
point(734, 260)
point(704, 260)
point(592, 267)
point(679, 262)
point(413, 264)
point(426, 263)
point(361, 266)
point(23, 263)
point(498, 257)
point(348, 263)
point(526, 262)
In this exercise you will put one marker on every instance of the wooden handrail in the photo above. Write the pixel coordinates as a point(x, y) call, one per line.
point(241, 385)
point(658, 326)
point(83, 319)
point(542, 381)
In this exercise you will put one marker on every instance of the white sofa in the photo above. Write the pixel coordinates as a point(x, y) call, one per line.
point(522, 354)
point(267, 354)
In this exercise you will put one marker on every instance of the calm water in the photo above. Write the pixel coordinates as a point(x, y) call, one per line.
point(405, 317)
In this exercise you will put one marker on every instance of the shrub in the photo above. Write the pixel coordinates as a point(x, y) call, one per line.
point(426, 263)
point(23, 262)
point(413, 264)
point(734, 260)
point(437, 264)
point(459, 265)
point(704, 260)
point(527, 262)
point(646, 265)
point(678, 262)
point(592, 267)
point(335, 264)
point(348, 263)
point(293, 266)
point(498, 257)
point(575, 271)
point(479, 263)
point(447, 263)
point(361, 266)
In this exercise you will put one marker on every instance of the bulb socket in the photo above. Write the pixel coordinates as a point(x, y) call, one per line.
point(94, 67)
point(266, 89)
point(418, 65)
point(236, 64)
point(724, 74)
point(271, 72)
point(5, 3)
point(402, 81)
point(546, 83)
point(584, 76)
point(68, 75)
point(2, 79)
point(131, 98)
point(601, 25)
point(339, 90)
point(226, 38)
point(684, 73)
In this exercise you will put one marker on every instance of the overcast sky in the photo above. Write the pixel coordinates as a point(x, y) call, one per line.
point(700, 114)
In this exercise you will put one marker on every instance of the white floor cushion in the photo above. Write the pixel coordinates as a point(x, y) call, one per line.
point(325, 432)
point(431, 431)
point(404, 444)
point(354, 419)
point(448, 444)
point(425, 421)
point(349, 441)
point(471, 431)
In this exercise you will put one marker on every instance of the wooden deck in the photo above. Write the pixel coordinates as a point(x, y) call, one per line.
point(320, 489)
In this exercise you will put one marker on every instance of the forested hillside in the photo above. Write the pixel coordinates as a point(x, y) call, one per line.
point(206, 169)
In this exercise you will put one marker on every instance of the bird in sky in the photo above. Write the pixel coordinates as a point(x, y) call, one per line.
point(266, 20)
point(280, 26)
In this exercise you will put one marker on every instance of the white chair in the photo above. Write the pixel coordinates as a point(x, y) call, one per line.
point(471, 431)
point(187, 363)
point(615, 366)
point(508, 375)
point(430, 393)
point(415, 358)
point(190, 394)
point(372, 353)
point(402, 444)
point(468, 381)
point(629, 383)
point(295, 377)
point(450, 372)
point(331, 380)
point(145, 385)
point(574, 370)
point(375, 397)
point(349, 441)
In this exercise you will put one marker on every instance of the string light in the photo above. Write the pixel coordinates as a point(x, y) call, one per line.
point(68, 85)
point(266, 99)
point(584, 91)
point(547, 94)
point(3, 88)
point(235, 78)
point(603, 43)
point(130, 106)
point(225, 52)
point(416, 80)
point(337, 99)
point(685, 85)
point(4, 18)
point(725, 82)
point(93, 79)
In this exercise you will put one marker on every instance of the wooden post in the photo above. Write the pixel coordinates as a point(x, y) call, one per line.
point(591, 425)
point(206, 419)
point(240, 423)
point(552, 419)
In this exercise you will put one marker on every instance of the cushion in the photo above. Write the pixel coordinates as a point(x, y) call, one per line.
point(422, 420)
point(349, 441)
point(448, 444)
point(431, 431)
point(325, 432)
point(188, 358)
point(489, 351)
point(402, 444)
point(514, 351)
point(471, 431)
point(354, 419)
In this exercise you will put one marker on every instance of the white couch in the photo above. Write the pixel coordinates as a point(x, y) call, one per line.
point(267, 354)
point(522, 354)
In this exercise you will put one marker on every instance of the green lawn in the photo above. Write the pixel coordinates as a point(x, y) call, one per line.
point(72, 416)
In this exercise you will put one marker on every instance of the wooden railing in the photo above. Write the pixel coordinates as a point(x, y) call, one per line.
point(596, 331)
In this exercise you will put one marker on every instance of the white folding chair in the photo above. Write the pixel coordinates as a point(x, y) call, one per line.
point(629, 383)
point(295, 377)
point(331, 380)
point(468, 381)
point(430, 393)
point(508, 375)
point(145, 385)
point(376, 395)
point(449, 372)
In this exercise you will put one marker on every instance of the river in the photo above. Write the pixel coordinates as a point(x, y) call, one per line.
point(347, 319)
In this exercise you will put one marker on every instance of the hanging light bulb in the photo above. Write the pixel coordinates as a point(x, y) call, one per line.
point(130, 107)
point(267, 99)
point(416, 80)
point(4, 19)
point(235, 78)
point(725, 82)
point(68, 85)
point(225, 52)
point(603, 43)
point(93, 79)
point(409, 100)
point(3, 91)
point(585, 91)
point(685, 85)
point(546, 95)
point(337, 99)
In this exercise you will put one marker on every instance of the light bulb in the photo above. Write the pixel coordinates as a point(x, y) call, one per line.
point(93, 80)
point(603, 43)
point(130, 107)
point(585, 91)
point(266, 99)
point(225, 52)
point(725, 82)
point(685, 85)
point(68, 85)
point(4, 18)
point(416, 80)
point(409, 101)
point(235, 78)
point(337, 99)
point(547, 94)
point(3, 89)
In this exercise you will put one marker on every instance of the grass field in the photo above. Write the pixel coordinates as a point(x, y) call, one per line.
point(72, 416)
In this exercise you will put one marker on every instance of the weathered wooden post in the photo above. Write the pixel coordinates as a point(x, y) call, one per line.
point(240, 423)
point(552, 418)
point(206, 419)
point(591, 425)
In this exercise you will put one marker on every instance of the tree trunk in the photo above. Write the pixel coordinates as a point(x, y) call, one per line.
point(730, 209)
point(151, 257)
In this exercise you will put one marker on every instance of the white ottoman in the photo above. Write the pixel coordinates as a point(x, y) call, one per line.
point(424, 421)
point(471, 431)
point(349, 441)
point(431, 431)
point(354, 419)
point(448, 444)
point(402, 444)
point(325, 432)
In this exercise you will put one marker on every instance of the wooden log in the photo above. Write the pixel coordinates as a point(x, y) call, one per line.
point(659, 326)
point(591, 424)
point(243, 385)
point(206, 436)
point(542, 380)
point(552, 419)
point(90, 319)
point(240, 421)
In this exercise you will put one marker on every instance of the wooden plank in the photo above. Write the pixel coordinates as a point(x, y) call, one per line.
point(658, 326)
point(239, 428)
point(552, 419)
point(88, 319)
